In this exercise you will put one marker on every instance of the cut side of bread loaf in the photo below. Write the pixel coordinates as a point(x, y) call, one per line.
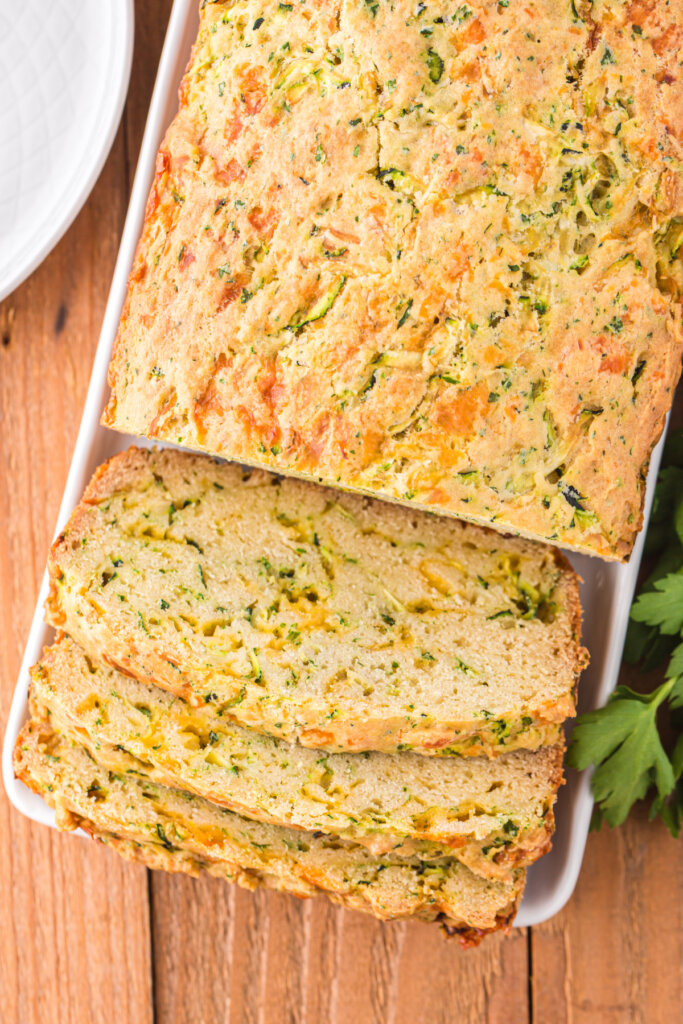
point(318, 616)
point(179, 831)
point(493, 814)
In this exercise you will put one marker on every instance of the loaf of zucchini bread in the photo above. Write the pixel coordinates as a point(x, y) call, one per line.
point(493, 814)
point(313, 615)
point(430, 251)
point(178, 831)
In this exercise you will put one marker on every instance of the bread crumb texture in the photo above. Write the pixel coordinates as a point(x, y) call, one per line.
point(426, 250)
point(332, 619)
point(177, 831)
point(493, 814)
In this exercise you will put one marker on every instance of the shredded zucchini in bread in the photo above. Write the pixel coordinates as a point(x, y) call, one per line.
point(493, 814)
point(331, 619)
point(430, 251)
point(178, 831)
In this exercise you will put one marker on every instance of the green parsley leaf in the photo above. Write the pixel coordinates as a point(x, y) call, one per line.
point(623, 742)
point(623, 739)
point(662, 606)
point(675, 666)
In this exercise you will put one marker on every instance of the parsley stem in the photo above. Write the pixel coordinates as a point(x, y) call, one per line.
point(661, 693)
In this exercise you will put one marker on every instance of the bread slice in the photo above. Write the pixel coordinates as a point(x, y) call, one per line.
point(177, 830)
point(491, 813)
point(428, 251)
point(335, 620)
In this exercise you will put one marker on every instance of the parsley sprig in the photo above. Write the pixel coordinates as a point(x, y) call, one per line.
point(624, 739)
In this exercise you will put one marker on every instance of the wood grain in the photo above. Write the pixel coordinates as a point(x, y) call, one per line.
point(89, 939)
point(266, 957)
point(615, 953)
point(75, 941)
point(75, 936)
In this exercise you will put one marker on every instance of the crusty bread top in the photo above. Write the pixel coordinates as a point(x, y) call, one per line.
point(310, 614)
point(425, 250)
point(138, 810)
point(489, 812)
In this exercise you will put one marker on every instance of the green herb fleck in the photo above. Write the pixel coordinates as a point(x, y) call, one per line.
point(435, 65)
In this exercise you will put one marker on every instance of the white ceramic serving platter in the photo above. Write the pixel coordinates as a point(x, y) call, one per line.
point(64, 70)
point(607, 588)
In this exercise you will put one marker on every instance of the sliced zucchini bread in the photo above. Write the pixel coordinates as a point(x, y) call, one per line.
point(493, 814)
point(336, 620)
point(179, 831)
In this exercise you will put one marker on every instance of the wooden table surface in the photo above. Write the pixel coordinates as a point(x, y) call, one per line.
point(87, 939)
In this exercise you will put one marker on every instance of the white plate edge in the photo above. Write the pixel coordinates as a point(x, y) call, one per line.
point(124, 41)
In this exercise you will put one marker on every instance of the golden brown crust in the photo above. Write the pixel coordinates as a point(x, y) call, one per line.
point(458, 287)
point(159, 860)
point(100, 624)
point(111, 809)
point(492, 814)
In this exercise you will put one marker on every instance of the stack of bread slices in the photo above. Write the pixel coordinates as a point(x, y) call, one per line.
point(298, 688)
